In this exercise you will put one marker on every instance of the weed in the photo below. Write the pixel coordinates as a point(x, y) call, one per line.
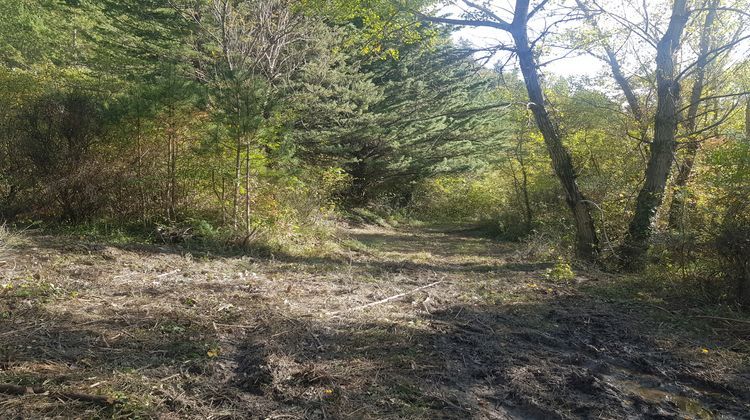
point(560, 272)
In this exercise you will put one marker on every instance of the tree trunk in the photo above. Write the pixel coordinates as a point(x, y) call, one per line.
point(679, 193)
point(523, 188)
point(237, 166)
point(747, 120)
point(587, 243)
point(651, 195)
point(139, 169)
point(171, 176)
point(247, 188)
point(618, 74)
point(743, 291)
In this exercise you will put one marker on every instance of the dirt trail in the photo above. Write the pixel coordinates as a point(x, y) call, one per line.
point(178, 335)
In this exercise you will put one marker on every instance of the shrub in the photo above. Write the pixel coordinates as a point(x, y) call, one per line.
point(560, 272)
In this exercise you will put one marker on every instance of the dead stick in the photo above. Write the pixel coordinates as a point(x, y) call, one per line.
point(718, 318)
point(95, 399)
point(168, 274)
point(388, 299)
point(11, 389)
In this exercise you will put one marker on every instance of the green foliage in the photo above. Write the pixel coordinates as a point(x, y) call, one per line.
point(459, 199)
point(120, 116)
point(395, 122)
point(560, 272)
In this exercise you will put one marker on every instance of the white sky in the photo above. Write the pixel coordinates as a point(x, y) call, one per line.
point(650, 15)
point(576, 65)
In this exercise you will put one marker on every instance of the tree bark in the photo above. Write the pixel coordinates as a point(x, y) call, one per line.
point(663, 146)
point(139, 167)
point(239, 131)
point(522, 187)
point(679, 194)
point(587, 243)
point(529, 214)
point(171, 162)
point(247, 188)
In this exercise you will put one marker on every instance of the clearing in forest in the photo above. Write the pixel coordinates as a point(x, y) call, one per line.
point(161, 332)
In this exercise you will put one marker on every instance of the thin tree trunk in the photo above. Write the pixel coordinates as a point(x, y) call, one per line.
point(237, 177)
point(223, 201)
point(651, 195)
point(679, 193)
point(247, 188)
point(173, 180)
point(743, 284)
point(618, 74)
point(220, 195)
point(529, 215)
point(170, 163)
point(587, 243)
point(747, 120)
point(139, 169)
point(237, 165)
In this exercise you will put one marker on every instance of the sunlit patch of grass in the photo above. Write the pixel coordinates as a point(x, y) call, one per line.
point(31, 289)
point(354, 245)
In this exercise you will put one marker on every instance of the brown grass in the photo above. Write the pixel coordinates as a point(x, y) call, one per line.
point(172, 334)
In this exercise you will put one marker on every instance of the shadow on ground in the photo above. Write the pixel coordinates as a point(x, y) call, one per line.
point(179, 336)
point(567, 360)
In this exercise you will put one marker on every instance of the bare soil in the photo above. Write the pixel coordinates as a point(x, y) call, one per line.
point(169, 333)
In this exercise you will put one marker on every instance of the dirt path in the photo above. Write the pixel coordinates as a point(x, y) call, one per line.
point(172, 334)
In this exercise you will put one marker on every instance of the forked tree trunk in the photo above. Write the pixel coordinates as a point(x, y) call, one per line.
point(685, 170)
point(663, 146)
point(524, 186)
point(587, 243)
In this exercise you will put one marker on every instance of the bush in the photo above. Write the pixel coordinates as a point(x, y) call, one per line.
point(560, 272)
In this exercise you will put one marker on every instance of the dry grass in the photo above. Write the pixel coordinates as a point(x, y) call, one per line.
point(6, 238)
point(178, 335)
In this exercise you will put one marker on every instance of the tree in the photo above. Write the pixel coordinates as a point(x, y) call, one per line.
point(663, 145)
point(669, 72)
point(685, 168)
point(395, 122)
point(524, 48)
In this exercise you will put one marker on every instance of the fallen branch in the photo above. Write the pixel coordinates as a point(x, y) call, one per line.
point(12, 389)
point(388, 299)
point(718, 318)
point(168, 274)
